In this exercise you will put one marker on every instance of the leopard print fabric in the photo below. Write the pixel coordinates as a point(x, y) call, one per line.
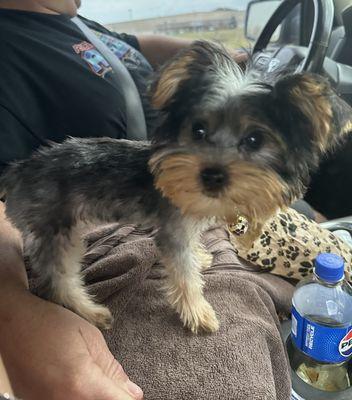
point(289, 244)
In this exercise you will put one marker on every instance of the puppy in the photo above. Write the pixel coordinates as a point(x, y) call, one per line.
point(228, 146)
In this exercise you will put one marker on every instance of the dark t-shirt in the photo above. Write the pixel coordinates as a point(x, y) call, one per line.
point(54, 83)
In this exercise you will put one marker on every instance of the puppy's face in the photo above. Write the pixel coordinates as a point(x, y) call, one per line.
point(229, 143)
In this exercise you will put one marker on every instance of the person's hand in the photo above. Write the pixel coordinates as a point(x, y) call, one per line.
point(48, 351)
point(51, 353)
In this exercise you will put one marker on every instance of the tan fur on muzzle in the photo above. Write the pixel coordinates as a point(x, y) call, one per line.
point(254, 192)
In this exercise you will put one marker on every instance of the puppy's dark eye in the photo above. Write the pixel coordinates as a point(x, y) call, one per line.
point(199, 131)
point(253, 141)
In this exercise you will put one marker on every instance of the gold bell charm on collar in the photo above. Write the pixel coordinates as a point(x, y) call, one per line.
point(240, 227)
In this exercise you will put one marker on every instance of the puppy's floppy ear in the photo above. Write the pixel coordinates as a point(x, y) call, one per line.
point(186, 71)
point(315, 113)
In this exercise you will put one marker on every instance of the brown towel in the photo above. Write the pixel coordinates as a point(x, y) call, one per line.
point(246, 359)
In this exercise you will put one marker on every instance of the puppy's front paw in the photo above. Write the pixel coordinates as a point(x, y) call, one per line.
point(199, 316)
point(98, 315)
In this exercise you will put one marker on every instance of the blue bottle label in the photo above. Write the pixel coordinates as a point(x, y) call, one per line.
point(320, 342)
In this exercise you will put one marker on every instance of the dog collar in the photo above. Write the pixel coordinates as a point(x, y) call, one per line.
point(239, 227)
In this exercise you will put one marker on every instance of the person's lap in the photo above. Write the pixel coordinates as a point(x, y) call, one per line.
point(244, 359)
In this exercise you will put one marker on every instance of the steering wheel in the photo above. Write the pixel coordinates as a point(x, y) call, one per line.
point(290, 57)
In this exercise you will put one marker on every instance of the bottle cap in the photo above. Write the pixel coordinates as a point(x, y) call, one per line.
point(329, 267)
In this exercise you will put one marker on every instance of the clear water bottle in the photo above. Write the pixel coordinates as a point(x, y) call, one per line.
point(344, 235)
point(321, 329)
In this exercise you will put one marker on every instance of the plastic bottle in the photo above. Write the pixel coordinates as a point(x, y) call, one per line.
point(321, 329)
point(344, 235)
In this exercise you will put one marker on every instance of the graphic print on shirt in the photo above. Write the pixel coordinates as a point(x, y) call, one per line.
point(93, 58)
point(127, 54)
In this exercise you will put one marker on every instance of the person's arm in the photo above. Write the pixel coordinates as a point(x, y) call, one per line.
point(158, 49)
point(48, 351)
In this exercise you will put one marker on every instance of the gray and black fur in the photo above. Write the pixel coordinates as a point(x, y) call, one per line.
point(226, 145)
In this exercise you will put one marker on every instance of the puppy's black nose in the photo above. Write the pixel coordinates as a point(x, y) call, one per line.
point(213, 178)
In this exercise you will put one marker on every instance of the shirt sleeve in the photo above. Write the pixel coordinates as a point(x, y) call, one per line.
point(17, 142)
point(127, 38)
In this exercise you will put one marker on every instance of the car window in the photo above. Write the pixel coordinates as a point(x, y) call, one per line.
point(257, 17)
point(220, 20)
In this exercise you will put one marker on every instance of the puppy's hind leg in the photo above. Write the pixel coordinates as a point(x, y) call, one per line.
point(178, 243)
point(56, 259)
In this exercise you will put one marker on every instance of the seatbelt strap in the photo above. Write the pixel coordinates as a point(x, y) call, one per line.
point(135, 120)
